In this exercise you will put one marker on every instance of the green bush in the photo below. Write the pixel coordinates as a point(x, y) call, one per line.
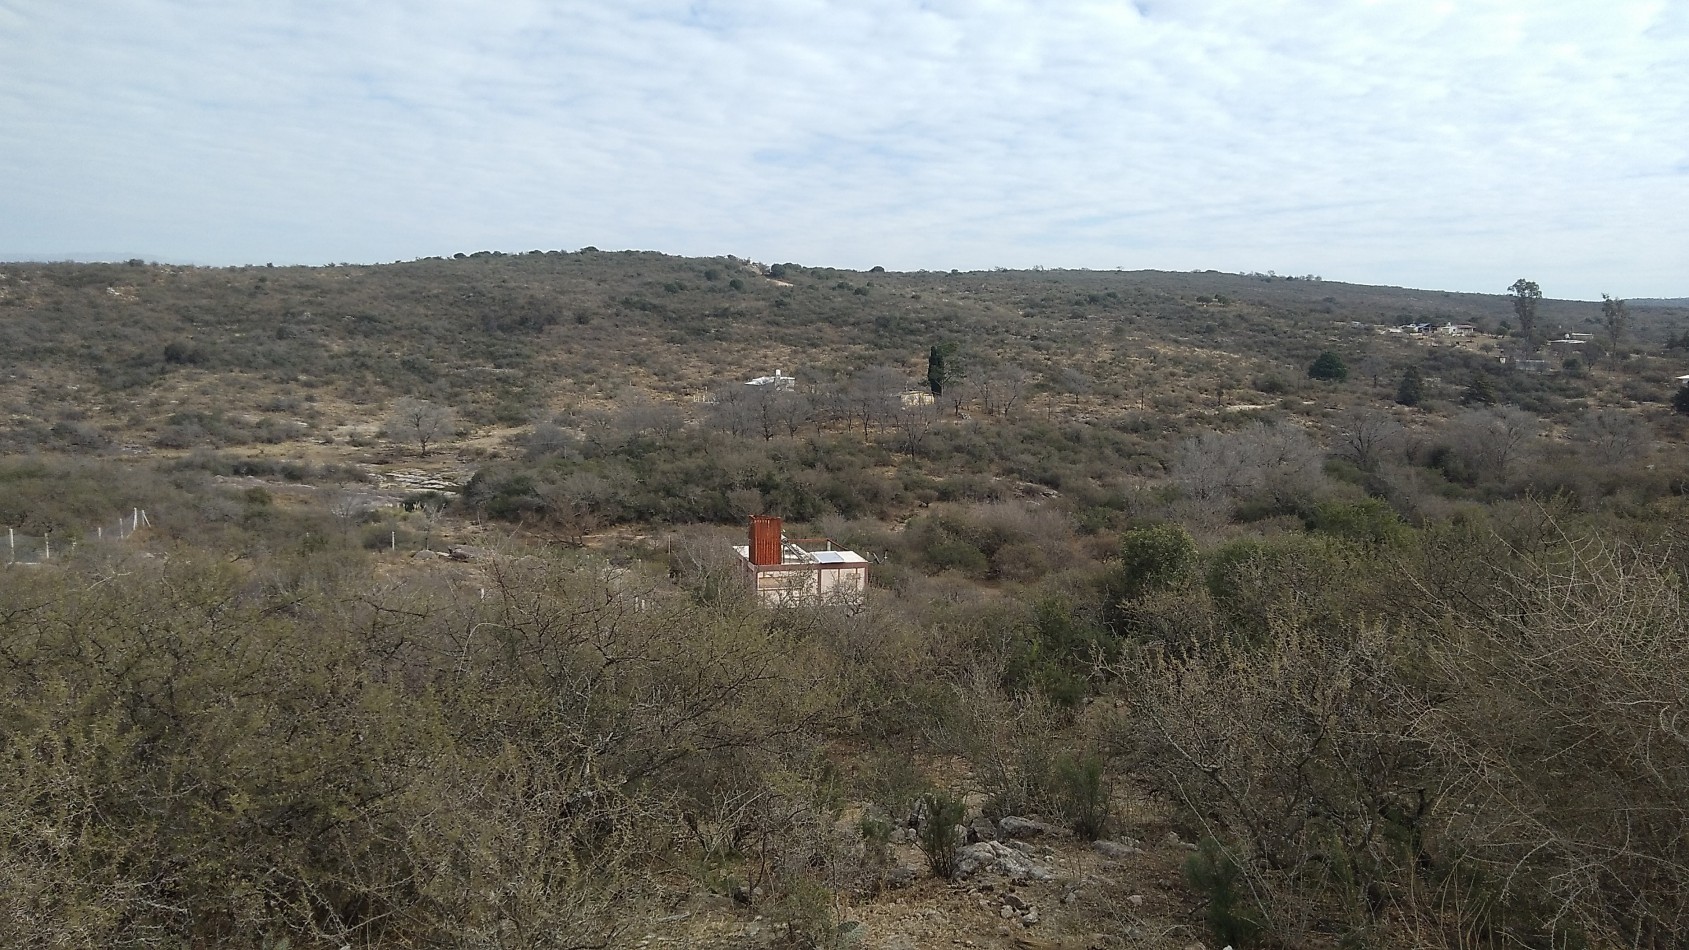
point(1213, 872)
point(1153, 557)
point(1370, 521)
point(937, 836)
point(1080, 791)
point(1330, 367)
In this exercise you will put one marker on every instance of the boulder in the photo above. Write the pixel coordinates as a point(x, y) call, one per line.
point(996, 856)
point(901, 876)
point(1114, 850)
point(1023, 828)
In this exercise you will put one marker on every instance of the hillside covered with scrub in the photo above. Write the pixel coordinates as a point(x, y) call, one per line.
point(1204, 608)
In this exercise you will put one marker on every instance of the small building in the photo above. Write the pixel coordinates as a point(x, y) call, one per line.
point(779, 381)
point(1458, 329)
point(786, 572)
point(915, 398)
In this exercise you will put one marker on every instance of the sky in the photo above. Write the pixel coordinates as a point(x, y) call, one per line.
point(1440, 145)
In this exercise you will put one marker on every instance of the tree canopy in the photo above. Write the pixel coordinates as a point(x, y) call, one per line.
point(1328, 366)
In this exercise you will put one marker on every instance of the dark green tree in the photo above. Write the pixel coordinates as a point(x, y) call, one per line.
point(1328, 366)
point(1411, 392)
point(1615, 319)
point(1480, 392)
point(1680, 402)
point(941, 367)
point(1526, 294)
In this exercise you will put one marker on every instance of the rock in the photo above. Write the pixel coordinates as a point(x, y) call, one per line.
point(981, 829)
point(1172, 841)
point(1023, 828)
point(1114, 849)
point(1136, 900)
point(901, 876)
point(1005, 912)
point(996, 856)
point(1010, 900)
point(1029, 918)
point(903, 836)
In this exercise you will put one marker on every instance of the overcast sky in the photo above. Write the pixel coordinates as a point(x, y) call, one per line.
point(1454, 145)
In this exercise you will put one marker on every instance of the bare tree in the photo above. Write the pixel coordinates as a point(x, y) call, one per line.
point(1278, 461)
point(730, 410)
point(913, 421)
point(1613, 437)
point(874, 393)
point(793, 411)
point(1493, 441)
point(639, 415)
point(1364, 435)
point(578, 504)
point(420, 421)
point(1000, 388)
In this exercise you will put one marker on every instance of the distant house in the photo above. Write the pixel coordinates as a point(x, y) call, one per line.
point(786, 572)
point(778, 381)
point(913, 398)
point(1458, 329)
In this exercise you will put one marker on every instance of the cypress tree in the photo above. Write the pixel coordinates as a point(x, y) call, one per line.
point(1412, 389)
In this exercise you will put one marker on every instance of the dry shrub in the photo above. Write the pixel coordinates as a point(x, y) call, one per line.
point(1504, 767)
point(1565, 734)
point(1297, 761)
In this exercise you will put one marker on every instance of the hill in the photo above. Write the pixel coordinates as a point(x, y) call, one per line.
point(396, 606)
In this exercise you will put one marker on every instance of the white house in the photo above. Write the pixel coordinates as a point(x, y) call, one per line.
point(778, 381)
point(785, 572)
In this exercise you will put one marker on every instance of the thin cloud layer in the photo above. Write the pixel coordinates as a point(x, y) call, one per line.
point(1433, 145)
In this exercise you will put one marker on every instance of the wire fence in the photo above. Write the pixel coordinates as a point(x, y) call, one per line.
point(20, 548)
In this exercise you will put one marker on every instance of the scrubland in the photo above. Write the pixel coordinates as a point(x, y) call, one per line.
point(433, 636)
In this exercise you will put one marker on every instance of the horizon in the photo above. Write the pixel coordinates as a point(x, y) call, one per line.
point(1315, 278)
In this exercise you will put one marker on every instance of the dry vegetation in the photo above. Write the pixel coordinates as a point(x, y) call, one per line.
point(1315, 667)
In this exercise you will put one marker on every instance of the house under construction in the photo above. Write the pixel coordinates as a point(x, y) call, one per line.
point(786, 571)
